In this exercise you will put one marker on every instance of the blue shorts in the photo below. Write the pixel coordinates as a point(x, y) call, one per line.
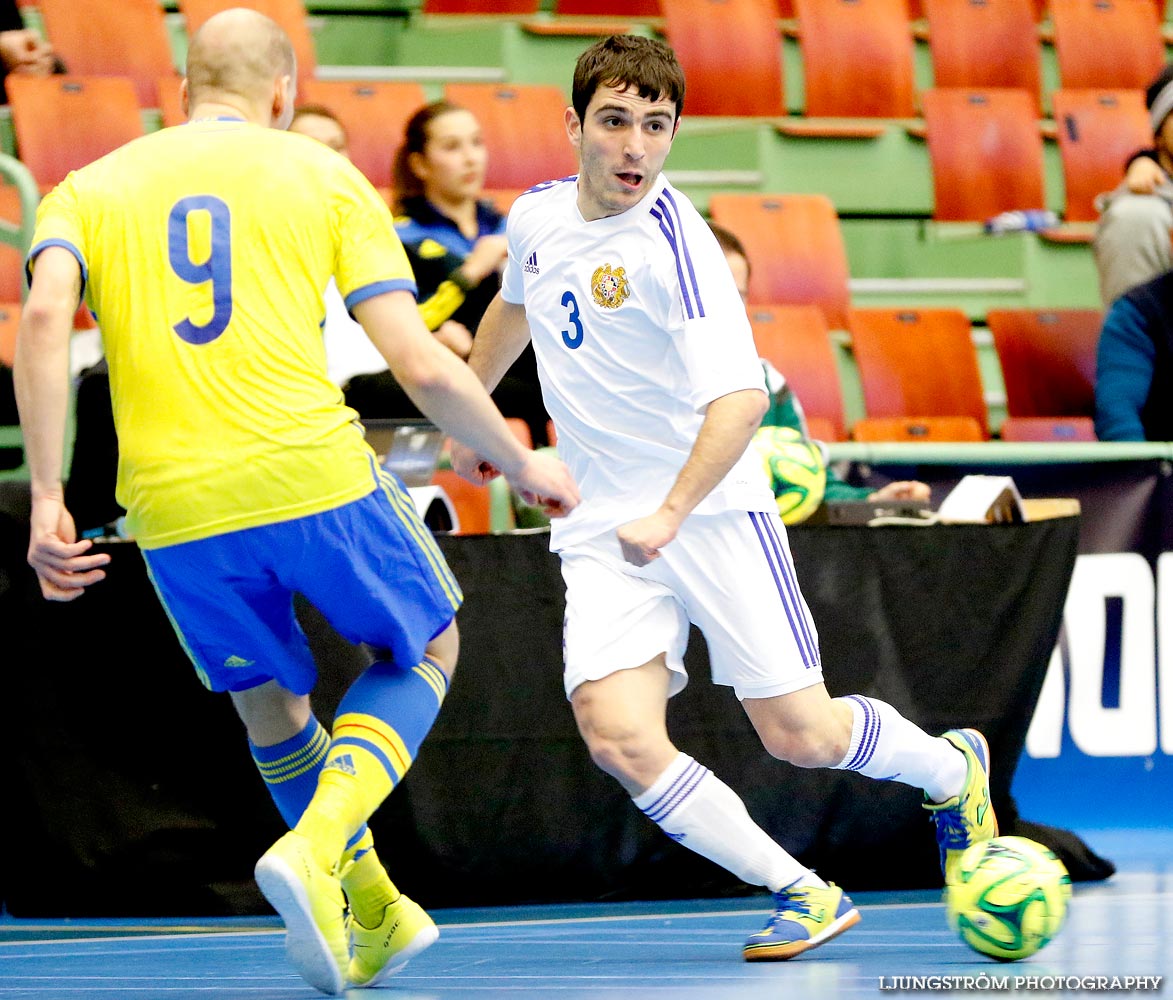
point(371, 567)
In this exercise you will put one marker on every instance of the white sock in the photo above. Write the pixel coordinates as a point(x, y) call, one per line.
point(886, 746)
point(697, 809)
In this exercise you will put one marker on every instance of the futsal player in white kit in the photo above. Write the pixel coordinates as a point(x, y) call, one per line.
point(649, 371)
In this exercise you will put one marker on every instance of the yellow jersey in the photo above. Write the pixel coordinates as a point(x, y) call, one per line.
point(205, 251)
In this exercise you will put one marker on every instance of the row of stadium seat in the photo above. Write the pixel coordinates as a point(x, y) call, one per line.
point(1095, 132)
point(915, 364)
point(857, 55)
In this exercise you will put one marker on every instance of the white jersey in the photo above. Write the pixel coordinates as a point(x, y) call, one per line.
point(637, 326)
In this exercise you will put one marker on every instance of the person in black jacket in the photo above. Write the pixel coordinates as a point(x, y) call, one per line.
point(1134, 365)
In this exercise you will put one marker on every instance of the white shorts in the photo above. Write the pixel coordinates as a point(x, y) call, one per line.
point(731, 574)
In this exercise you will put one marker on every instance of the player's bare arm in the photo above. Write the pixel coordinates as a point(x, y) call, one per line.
point(64, 565)
point(501, 337)
point(449, 394)
point(724, 435)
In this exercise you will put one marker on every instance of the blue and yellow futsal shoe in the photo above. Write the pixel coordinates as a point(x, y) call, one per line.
point(804, 917)
point(311, 904)
point(967, 818)
point(382, 951)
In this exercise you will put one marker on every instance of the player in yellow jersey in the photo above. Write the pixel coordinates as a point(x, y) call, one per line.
point(205, 250)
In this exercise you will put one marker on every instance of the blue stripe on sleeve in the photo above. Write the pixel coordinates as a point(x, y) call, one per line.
point(660, 213)
point(696, 291)
point(379, 288)
point(44, 245)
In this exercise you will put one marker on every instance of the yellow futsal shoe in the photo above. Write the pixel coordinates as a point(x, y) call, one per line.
point(967, 818)
point(380, 952)
point(312, 906)
point(804, 917)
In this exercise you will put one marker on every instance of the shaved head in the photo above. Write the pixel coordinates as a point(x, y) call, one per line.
point(237, 53)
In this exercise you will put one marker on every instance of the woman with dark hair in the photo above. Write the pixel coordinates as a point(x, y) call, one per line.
point(456, 243)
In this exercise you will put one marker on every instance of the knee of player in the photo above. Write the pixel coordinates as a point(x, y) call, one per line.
point(807, 747)
point(622, 750)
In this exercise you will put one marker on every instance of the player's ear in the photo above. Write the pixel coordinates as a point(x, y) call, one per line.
point(573, 127)
point(284, 98)
point(184, 97)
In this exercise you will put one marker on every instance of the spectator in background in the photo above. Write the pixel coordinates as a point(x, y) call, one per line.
point(456, 244)
point(785, 410)
point(1132, 241)
point(1134, 365)
point(21, 49)
point(349, 350)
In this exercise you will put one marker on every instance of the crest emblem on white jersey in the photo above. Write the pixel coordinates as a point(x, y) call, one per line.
point(609, 286)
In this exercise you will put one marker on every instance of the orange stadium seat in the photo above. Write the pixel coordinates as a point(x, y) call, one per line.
point(473, 503)
point(64, 122)
point(290, 14)
point(609, 8)
point(1107, 44)
point(984, 43)
point(1097, 131)
point(11, 273)
point(1048, 359)
point(918, 363)
point(99, 38)
point(170, 107)
point(731, 53)
point(857, 58)
point(797, 341)
point(1049, 429)
point(535, 111)
point(917, 429)
point(520, 431)
point(480, 7)
point(374, 115)
point(974, 181)
point(9, 321)
point(795, 248)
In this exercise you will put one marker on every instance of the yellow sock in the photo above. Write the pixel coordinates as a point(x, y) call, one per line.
point(368, 888)
point(350, 788)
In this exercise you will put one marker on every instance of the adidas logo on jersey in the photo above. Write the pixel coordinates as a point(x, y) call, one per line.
point(531, 264)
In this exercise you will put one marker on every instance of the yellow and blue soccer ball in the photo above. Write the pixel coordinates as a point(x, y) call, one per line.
point(796, 468)
point(1010, 898)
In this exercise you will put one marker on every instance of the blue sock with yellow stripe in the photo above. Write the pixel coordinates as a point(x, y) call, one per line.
point(290, 771)
point(381, 722)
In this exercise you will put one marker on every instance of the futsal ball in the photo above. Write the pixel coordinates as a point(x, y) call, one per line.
point(1010, 898)
point(796, 468)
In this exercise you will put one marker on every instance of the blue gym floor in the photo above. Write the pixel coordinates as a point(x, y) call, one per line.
point(683, 950)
